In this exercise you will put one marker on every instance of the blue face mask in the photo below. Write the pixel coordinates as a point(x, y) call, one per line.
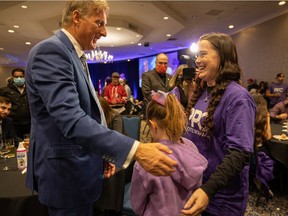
point(19, 81)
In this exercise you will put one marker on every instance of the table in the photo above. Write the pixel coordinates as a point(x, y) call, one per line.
point(278, 148)
point(15, 198)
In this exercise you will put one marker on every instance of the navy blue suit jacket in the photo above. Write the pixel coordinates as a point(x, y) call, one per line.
point(67, 141)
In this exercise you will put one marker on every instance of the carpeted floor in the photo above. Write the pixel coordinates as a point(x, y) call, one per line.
point(277, 206)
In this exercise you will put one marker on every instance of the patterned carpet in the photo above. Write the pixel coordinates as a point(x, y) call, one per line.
point(277, 206)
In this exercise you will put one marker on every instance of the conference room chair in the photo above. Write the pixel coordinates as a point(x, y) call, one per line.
point(131, 124)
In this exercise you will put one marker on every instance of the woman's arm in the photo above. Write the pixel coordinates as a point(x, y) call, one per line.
point(231, 165)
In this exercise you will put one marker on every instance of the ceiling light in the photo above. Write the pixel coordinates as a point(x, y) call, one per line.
point(118, 29)
point(99, 56)
point(16, 26)
point(231, 26)
point(168, 35)
point(132, 42)
point(166, 18)
point(11, 31)
point(128, 60)
point(24, 6)
point(139, 44)
point(1, 48)
point(28, 43)
point(282, 3)
point(137, 35)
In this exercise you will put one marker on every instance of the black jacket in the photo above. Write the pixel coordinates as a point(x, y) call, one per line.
point(8, 131)
point(20, 112)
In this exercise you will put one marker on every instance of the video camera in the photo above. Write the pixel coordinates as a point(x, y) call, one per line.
point(188, 73)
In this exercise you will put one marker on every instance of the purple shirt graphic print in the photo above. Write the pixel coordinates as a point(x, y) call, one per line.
point(233, 129)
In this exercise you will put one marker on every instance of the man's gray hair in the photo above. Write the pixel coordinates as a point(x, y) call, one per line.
point(84, 7)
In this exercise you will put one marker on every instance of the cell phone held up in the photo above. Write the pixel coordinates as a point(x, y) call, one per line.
point(189, 73)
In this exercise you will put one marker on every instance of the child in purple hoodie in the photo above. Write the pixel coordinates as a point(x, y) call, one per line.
point(151, 195)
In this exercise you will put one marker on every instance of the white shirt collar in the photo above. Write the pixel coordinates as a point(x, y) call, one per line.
point(76, 45)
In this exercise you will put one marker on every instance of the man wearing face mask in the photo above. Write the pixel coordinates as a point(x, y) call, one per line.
point(156, 79)
point(15, 91)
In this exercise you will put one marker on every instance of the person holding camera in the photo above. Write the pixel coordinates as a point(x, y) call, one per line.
point(177, 81)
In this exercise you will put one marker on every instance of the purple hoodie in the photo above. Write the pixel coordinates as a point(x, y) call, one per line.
point(166, 195)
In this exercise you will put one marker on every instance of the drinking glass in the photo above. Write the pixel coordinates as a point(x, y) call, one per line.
point(26, 141)
point(10, 144)
point(26, 137)
point(4, 150)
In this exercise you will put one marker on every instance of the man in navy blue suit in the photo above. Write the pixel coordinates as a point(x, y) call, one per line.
point(70, 146)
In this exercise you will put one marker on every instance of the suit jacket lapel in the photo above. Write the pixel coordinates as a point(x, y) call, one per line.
point(76, 59)
point(157, 77)
point(80, 69)
point(167, 81)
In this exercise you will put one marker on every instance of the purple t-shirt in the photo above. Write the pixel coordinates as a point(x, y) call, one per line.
point(281, 88)
point(233, 129)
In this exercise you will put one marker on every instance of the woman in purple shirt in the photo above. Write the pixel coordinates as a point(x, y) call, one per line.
point(221, 124)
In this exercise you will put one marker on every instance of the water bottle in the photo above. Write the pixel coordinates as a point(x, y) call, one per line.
point(21, 156)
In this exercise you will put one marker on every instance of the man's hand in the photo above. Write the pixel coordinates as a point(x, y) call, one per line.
point(196, 204)
point(109, 170)
point(151, 157)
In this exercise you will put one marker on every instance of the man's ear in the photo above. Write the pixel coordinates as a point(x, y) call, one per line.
point(76, 17)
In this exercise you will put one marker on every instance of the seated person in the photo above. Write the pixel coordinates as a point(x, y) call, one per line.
point(252, 86)
point(6, 124)
point(115, 93)
point(108, 80)
point(264, 173)
point(110, 201)
point(280, 110)
point(277, 91)
point(136, 108)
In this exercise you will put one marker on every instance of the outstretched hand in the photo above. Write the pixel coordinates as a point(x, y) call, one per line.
point(196, 203)
point(151, 157)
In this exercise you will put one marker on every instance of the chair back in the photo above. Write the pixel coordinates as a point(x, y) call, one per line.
point(132, 124)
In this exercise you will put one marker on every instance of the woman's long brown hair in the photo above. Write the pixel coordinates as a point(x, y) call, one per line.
point(229, 70)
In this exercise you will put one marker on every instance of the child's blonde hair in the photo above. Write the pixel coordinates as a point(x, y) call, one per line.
point(170, 117)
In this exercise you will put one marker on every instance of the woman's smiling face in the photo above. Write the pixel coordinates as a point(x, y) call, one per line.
point(207, 61)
